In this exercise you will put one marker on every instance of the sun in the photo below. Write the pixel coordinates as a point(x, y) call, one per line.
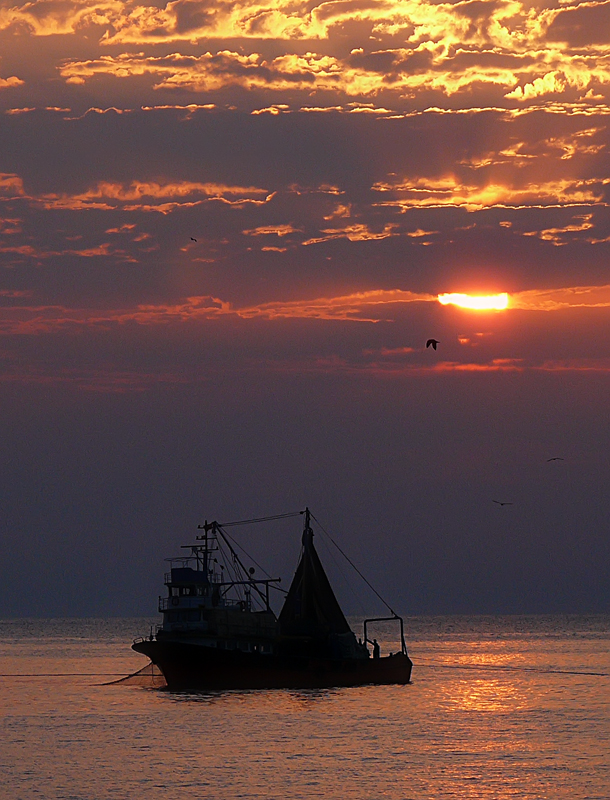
point(490, 302)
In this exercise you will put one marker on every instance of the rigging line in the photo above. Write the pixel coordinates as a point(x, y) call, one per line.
point(259, 519)
point(237, 563)
point(262, 569)
point(508, 668)
point(348, 559)
point(58, 674)
point(237, 544)
point(254, 586)
point(233, 574)
point(344, 576)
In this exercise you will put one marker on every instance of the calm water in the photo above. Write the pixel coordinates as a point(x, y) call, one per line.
point(461, 733)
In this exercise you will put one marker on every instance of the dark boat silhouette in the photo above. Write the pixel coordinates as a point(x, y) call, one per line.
point(220, 632)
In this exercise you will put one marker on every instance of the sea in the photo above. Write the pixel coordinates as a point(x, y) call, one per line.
point(514, 707)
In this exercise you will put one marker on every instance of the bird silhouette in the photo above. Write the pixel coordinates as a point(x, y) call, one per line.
point(501, 503)
point(432, 342)
point(557, 458)
point(193, 240)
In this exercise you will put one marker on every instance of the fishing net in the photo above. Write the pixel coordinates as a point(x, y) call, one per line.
point(150, 677)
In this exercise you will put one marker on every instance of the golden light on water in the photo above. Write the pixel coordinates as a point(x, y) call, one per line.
point(491, 302)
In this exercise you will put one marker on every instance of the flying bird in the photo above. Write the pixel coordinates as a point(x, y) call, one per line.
point(557, 458)
point(193, 240)
point(501, 504)
point(432, 342)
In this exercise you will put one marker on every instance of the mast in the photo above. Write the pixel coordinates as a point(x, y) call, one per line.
point(307, 530)
point(311, 608)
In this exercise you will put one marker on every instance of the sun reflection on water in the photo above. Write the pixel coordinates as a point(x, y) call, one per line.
point(492, 694)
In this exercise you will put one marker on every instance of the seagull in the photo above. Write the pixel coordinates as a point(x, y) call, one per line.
point(500, 503)
point(193, 240)
point(432, 342)
point(557, 458)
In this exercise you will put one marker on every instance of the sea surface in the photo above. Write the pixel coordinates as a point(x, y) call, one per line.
point(498, 707)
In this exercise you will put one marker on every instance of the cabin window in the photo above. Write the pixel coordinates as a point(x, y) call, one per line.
point(172, 616)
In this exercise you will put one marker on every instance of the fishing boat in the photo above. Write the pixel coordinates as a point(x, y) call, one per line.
point(220, 632)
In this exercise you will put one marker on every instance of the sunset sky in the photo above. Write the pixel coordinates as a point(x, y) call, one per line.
point(224, 230)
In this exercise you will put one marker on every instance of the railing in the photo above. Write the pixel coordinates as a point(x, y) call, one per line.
point(403, 644)
point(180, 603)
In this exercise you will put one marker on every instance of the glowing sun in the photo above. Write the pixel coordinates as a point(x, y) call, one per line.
point(494, 302)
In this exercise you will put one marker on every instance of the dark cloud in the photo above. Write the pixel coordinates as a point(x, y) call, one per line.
point(581, 26)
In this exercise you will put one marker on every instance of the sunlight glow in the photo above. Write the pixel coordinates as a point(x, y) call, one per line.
point(495, 302)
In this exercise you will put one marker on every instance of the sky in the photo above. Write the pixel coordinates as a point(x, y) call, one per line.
point(224, 230)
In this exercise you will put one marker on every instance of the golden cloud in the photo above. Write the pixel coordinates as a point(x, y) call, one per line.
point(448, 47)
point(10, 83)
point(358, 232)
point(270, 230)
point(148, 195)
point(449, 191)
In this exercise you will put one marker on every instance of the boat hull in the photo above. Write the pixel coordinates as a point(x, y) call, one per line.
point(192, 667)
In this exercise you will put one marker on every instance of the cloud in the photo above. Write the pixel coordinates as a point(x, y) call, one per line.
point(365, 307)
point(449, 191)
point(356, 232)
point(497, 49)
point(562, 298)
point(272, 230)
point(146, 195)
point(425, 69)
point(10, 83)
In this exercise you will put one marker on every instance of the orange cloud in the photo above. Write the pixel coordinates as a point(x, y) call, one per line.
point(449, 191)
point(358, 232)
point(107, 195)
point(559, 299)
point(557, 236)
point(269, 230)
point(356, 307)
point(10, 83)
point(370, 306)
point(521, 55)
